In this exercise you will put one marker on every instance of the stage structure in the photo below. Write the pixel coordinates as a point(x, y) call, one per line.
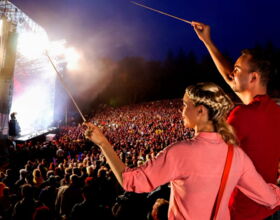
point(27, 79)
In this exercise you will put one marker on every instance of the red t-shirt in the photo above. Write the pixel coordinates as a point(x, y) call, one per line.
point(257, 126)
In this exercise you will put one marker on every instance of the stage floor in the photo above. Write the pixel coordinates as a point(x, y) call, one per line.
point(35, 134)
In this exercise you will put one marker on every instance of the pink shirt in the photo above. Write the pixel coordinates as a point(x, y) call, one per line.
point(257, 126)
point(194, 169)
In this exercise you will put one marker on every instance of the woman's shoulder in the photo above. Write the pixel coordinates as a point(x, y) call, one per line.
point(185, 145)
point(240, 155)
point(238, 150)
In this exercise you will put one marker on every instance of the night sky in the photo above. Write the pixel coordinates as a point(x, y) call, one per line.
point(117, 28)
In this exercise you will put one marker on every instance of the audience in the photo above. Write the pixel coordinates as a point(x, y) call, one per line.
point(65, 179)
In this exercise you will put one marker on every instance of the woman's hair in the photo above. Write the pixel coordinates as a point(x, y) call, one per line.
point(218, 104)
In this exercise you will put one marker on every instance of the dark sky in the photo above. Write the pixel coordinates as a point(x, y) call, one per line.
point(117, 28)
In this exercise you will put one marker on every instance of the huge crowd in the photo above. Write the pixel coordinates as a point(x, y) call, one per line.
point(68, 177)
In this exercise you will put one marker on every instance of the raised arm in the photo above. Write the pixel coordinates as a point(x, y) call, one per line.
point(222, 64)
point(94, 134)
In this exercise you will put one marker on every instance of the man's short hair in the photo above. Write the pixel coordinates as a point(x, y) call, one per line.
point(27, 191)
point(260, 62)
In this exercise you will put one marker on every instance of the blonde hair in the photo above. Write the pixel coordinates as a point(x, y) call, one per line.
point(218, 105)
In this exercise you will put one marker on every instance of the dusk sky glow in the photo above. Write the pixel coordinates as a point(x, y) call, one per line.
point(118, 28)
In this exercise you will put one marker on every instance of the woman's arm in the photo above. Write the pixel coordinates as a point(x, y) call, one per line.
point(163, 169)
point(253, 185)
point(95, 135)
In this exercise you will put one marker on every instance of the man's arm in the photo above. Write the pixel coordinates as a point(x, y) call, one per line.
point(222, 64)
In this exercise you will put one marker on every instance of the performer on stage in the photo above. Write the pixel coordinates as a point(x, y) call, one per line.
point(14, 128)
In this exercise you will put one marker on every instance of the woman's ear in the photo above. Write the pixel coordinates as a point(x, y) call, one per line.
point(200, 109)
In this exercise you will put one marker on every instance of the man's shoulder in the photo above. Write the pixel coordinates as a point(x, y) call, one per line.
point(275, 102)
point(263, 106)
point(270, 106)
point(241, 110)
point(257, 103)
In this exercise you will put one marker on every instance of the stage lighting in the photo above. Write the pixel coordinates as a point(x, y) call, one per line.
point(68, 55)
point(35, 106)
point(72, 58)
point(57, 49)
point(32, 45)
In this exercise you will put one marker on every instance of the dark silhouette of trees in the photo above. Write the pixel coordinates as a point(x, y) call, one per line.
point(138, 80)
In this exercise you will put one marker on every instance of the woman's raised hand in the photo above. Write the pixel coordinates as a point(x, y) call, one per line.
point(94, 134)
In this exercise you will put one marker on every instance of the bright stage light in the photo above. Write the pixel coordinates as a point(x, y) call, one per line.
point(68, 55)
point(34, 92)
point(72, 58)
point(34, 76)
point(34, 107)
point(31, 45)
point(57, 48)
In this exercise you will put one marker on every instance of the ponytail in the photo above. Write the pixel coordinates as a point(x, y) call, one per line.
point(226, 131)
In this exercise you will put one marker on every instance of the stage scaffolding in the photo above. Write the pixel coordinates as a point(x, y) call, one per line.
point(18, 17)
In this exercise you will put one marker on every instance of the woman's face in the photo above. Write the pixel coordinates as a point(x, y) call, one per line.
point(189, 113)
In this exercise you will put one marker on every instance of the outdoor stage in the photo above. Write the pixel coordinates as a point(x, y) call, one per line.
point(40, 134)
point(28, 83)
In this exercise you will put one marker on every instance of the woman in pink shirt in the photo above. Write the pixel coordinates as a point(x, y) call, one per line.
point(194, 167)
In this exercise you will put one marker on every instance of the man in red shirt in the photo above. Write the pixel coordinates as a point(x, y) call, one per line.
point(256, 122)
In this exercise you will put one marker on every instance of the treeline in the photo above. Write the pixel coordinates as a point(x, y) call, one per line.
point(135, 79)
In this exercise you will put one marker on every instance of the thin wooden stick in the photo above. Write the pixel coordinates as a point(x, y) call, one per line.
point(161, 12)
point(66, 88)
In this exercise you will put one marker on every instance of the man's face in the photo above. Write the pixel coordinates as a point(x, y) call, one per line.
point(241, 74)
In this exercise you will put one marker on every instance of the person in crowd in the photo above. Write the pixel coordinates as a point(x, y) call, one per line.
point(191, 165)
point(25, 208)
point(22, 179)
point(7, 202)
point(37, 178)
point(89, 208)
point(130, 205)
point(256, 122)
point(42, 213)
point(9, 178)
point(160, 208)
point(48, 194)
point(71, 195)
point(162, 192)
